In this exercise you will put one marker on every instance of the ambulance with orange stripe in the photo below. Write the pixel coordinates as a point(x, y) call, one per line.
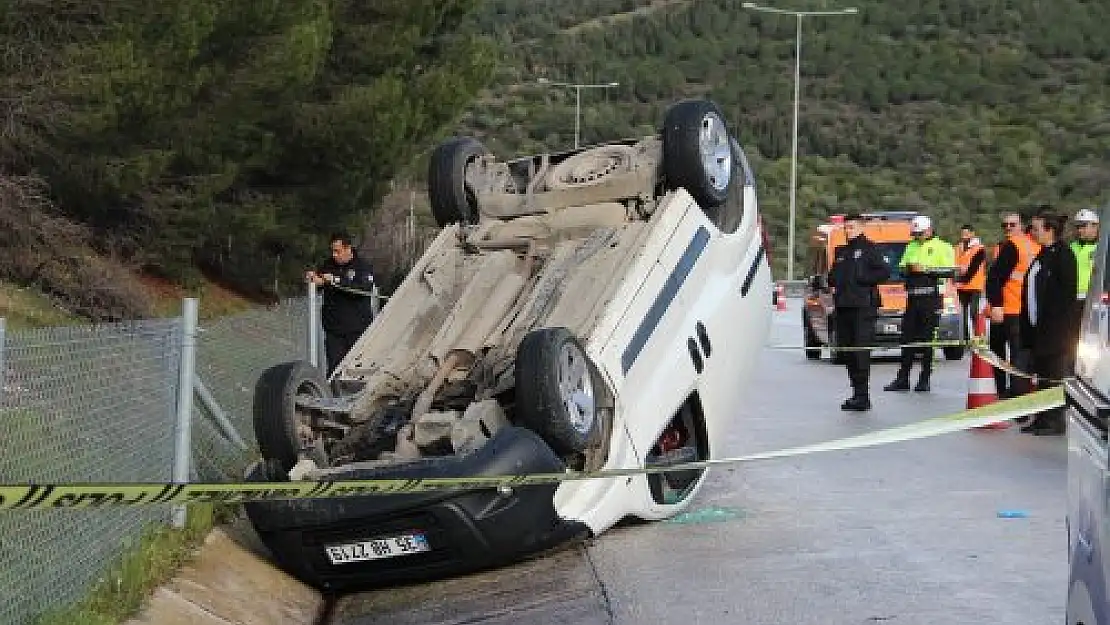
point(890, 231)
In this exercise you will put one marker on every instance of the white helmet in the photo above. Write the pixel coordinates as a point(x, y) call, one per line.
point(921, 223)
point(1086, 216)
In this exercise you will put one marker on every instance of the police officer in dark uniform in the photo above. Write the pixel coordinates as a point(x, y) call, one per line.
point(348, 285)
point(856, 272)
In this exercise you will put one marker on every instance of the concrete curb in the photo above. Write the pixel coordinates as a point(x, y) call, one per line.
point(231, 581)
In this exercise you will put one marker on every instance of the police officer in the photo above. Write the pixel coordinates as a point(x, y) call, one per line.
point(857, 270)
point(1086, 238)
point(922, 261)
point(348, 286)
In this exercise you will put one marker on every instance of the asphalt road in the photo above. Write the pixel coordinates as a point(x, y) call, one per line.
point(908, 533)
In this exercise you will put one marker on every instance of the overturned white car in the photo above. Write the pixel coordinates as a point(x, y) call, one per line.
point(595, 309)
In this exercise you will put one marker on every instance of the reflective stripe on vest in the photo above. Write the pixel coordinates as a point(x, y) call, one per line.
point(1027, 250)
point(978, 280)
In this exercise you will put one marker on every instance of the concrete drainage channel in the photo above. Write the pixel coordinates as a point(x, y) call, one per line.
point(231, 581)
point(559, 586)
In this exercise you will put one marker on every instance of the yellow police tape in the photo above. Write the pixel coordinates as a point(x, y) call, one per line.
point(855, 348)
point(88, 495)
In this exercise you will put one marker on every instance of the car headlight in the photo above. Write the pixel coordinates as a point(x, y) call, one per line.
point(1086, 356)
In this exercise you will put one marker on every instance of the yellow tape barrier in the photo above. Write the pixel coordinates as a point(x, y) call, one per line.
point(975, 342)
point(40, 496)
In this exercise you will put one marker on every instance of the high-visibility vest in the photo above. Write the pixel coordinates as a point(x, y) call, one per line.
point(1027, 250)
point(978, 281)
point(1084, 265)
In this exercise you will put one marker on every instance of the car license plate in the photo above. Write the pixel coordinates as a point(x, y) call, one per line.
point(378, 548)
point(890, 328)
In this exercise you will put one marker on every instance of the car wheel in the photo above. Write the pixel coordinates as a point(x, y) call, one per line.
point(813, 345)
point(955, 352)
point(452, 200)
point(282, 429)
point(697, 152)
point(555, 394)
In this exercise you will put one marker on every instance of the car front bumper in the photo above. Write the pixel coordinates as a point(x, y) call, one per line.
point(888, 329)
point(466, 530)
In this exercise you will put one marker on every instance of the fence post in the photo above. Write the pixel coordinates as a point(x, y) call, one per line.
point(313, 323)
point(3, 359)
point(183, 440)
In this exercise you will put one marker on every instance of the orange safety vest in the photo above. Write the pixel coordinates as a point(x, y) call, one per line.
point(1027, 250)
point(978, 281)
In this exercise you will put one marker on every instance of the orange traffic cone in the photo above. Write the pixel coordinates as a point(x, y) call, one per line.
point(980, 383)
point(780, 297)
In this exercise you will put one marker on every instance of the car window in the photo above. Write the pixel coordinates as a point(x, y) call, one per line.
point(892, 255)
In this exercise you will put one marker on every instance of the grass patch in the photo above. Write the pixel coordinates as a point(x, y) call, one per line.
point(27, 308)
point(213, 300)
point(161, 551)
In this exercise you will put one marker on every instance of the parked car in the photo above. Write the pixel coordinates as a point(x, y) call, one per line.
point(1087, 398)
point(591, 309)
point(891, 233)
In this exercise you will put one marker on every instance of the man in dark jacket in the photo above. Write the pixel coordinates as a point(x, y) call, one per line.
point(857, 269)
point(348, 285)
point(1048, 298)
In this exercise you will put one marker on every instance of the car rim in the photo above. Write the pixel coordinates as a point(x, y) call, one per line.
point(716, 155)
point(576, 388)
point(591, 166)
point(306, 436)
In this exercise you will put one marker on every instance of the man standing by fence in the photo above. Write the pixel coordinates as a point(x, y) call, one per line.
point(348, 286)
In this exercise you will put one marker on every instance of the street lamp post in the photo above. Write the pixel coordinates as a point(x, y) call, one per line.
point(797, 91)
point(577, 99)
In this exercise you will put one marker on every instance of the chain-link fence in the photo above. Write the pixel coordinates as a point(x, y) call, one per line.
point(99, 404)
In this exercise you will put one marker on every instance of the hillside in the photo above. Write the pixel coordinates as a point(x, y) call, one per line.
point(219, 139)
point(961, 108)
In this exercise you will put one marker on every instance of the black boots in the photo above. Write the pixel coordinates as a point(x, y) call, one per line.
point(902, 382)
point(1049, 423)
point(923, 382)
point(858, 402)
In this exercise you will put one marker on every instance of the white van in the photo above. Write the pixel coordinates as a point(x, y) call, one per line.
point(599, 308)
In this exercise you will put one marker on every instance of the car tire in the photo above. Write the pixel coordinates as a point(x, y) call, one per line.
point(813, 344)
point(452, 200)
point(697, 152)
point(556, 395)
point(955, 352)
point(275, 413)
